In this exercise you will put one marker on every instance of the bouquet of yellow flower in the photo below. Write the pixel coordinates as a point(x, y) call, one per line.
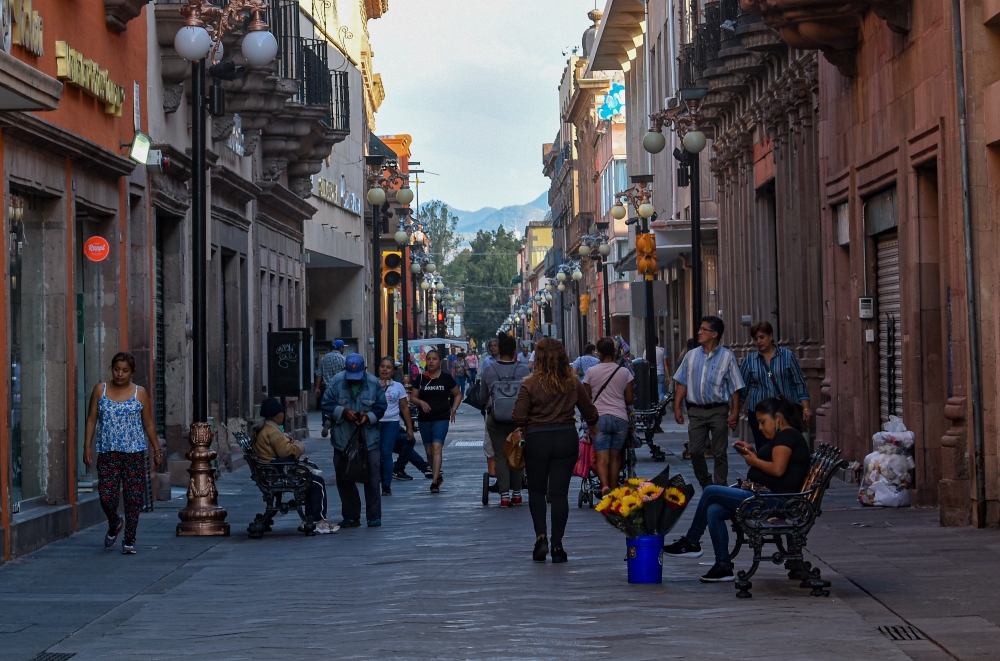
point(647, 507)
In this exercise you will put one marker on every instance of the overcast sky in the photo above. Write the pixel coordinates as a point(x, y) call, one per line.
point(476, 85)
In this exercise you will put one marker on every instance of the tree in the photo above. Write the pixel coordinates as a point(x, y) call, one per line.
point(441, 227)
point(491, 266)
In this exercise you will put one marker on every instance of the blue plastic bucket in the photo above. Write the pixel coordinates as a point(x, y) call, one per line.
point(644, 556)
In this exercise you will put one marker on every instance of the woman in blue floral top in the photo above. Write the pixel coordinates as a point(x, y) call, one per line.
point(121, 414)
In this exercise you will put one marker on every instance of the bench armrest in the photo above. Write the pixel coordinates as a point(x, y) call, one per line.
point(796, 509)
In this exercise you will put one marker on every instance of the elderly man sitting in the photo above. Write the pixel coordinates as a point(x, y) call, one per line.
point(272, 444)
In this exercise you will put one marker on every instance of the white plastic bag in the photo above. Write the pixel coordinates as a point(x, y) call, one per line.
point(888, 470)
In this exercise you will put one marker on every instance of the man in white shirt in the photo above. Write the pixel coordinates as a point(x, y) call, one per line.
point(662, 369)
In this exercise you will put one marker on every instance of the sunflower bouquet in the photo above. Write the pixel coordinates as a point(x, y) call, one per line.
point(646, 507)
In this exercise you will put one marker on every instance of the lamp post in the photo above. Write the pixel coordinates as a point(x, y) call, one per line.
point(693, 142)
point(640, 196)
point(596, 247)
point(381, 176)
point(205, 24)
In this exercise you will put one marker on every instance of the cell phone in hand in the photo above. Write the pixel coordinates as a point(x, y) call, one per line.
point(742, 450)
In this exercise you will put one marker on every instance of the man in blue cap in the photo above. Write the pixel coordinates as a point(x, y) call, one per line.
point(330, 366)
point(355, 401)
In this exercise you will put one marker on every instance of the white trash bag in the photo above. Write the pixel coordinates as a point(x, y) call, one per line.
point(887, 476)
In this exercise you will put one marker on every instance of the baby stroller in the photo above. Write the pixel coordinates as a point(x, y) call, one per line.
point(590, 486)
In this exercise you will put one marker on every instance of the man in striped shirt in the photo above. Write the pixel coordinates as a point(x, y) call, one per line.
point(708, 380)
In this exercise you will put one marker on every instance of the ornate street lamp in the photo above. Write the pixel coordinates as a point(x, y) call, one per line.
point(640, 196)
point(205, 24)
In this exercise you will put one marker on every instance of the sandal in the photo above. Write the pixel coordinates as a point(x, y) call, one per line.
point(435, 488)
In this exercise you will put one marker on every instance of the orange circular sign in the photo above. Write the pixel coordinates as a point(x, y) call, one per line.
point(96, 248)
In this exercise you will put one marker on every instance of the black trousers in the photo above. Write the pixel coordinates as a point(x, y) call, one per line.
point(350, 499)
point(549, 457)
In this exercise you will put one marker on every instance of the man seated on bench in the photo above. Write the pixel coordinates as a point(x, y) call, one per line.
point(272, 444)
point(780, 466)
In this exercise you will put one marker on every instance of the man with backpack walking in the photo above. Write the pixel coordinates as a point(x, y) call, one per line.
point(499, 387)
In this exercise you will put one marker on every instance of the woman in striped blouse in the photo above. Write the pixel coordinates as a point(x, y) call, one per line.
point(772, 371)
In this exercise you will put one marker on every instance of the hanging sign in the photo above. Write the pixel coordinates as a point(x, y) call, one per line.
point(96, 248)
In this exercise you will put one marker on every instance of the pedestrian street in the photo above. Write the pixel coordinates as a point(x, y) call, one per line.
point(444, 578)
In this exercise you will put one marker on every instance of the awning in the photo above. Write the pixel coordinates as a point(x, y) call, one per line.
point(378, 148)
point(432, 342)
point(23, 87)
point(518, 279)
point(619, 36)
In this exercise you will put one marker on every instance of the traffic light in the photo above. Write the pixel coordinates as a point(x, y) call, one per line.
point(645, 255)
point(440, 324)
point(392, 269)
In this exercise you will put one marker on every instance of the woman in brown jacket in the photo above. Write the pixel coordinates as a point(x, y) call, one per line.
point(545, 410)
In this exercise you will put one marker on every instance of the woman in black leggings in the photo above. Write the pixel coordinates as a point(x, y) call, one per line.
point(545, 410)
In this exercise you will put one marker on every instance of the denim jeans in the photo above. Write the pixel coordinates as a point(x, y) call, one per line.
point(461, 384)
point(433, 431)
point(407, 454)
point(612, 432)
point(387, 432)
point(661, 382)
point(716, 507)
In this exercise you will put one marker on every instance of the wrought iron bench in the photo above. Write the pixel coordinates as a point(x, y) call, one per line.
point(274, 479)
point(785, 519)
point(646, 421)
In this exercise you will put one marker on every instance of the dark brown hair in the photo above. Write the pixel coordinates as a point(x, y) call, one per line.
point(762, 327)
point(606, 347)
point(124, 357)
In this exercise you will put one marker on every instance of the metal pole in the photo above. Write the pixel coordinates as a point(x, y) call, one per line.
point(405, 272)
point(695, 243)
point(579, 321)
point(970, 276)
point(377, 284)
point(607, 303)
point(650, 319)
point(199, 249)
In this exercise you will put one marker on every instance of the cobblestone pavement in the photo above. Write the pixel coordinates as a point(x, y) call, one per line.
point(446, 578)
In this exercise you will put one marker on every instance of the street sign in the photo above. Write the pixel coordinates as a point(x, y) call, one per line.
point(96, 248)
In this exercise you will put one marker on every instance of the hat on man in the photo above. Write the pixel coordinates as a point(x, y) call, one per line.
point(271, 407)
point(355, 367)
point(338, 344)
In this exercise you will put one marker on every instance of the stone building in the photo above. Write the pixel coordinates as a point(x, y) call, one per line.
point(898, 296)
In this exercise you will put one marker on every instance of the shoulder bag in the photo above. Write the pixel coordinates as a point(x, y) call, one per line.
point(513, 450)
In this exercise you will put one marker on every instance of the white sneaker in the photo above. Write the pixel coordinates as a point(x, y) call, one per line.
point(325, 528)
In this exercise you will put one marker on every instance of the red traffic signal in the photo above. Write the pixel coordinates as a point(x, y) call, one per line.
point(440, 317)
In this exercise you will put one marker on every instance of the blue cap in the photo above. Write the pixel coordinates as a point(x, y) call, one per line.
point(355, 367)
point(338, 344)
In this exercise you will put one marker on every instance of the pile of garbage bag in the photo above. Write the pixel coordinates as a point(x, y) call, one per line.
point(887, 474)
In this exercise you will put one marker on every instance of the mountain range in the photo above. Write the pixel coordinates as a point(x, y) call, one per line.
point(513, 218)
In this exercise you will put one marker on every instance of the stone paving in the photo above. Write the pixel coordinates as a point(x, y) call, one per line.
point(446, 578)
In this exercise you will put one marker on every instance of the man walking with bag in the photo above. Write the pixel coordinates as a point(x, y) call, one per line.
point(356, 402)
point(708, 379)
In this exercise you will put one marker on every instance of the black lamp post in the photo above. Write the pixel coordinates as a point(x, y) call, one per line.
point(205, 25)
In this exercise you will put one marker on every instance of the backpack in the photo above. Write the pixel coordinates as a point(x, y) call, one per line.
point(503, 394)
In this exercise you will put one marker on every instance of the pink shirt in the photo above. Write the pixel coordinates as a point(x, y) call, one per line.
point(611, 400)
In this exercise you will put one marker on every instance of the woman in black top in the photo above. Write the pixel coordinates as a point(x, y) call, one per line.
point(780, 466)
point(438, 397)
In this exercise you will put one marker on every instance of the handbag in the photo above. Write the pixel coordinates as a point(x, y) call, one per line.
point(472, 396)
point(353, 465)
point(584, 459)
point(513, 450)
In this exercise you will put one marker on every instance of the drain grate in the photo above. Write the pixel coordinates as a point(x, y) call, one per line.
point(478, 443)
point(901, 633)
point(53, 656)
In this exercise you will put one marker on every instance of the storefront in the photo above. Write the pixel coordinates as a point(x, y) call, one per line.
point(74, 243)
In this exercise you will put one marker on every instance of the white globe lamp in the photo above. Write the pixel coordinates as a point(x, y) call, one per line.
point(259, 47)
point(193, 43)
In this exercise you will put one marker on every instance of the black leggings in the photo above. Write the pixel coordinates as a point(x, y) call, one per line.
point(549, 457)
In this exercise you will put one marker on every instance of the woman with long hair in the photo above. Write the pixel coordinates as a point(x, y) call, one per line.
point(780, 466)
point(438, 397)
point(545, 410)
point(120, 417)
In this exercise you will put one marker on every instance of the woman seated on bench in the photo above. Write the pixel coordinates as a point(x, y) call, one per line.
point(780, 466)
point(272, 444)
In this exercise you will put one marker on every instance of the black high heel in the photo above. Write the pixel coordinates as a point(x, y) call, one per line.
point(541, 549)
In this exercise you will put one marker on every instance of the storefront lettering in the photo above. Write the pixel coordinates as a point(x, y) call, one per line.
point(337, 194)
point(27, 31)
point(86, 74)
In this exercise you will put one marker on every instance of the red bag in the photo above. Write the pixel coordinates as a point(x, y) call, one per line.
point(584, 459)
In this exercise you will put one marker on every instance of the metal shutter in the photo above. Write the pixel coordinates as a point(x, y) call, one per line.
point(890, 335)
point(159, 349)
